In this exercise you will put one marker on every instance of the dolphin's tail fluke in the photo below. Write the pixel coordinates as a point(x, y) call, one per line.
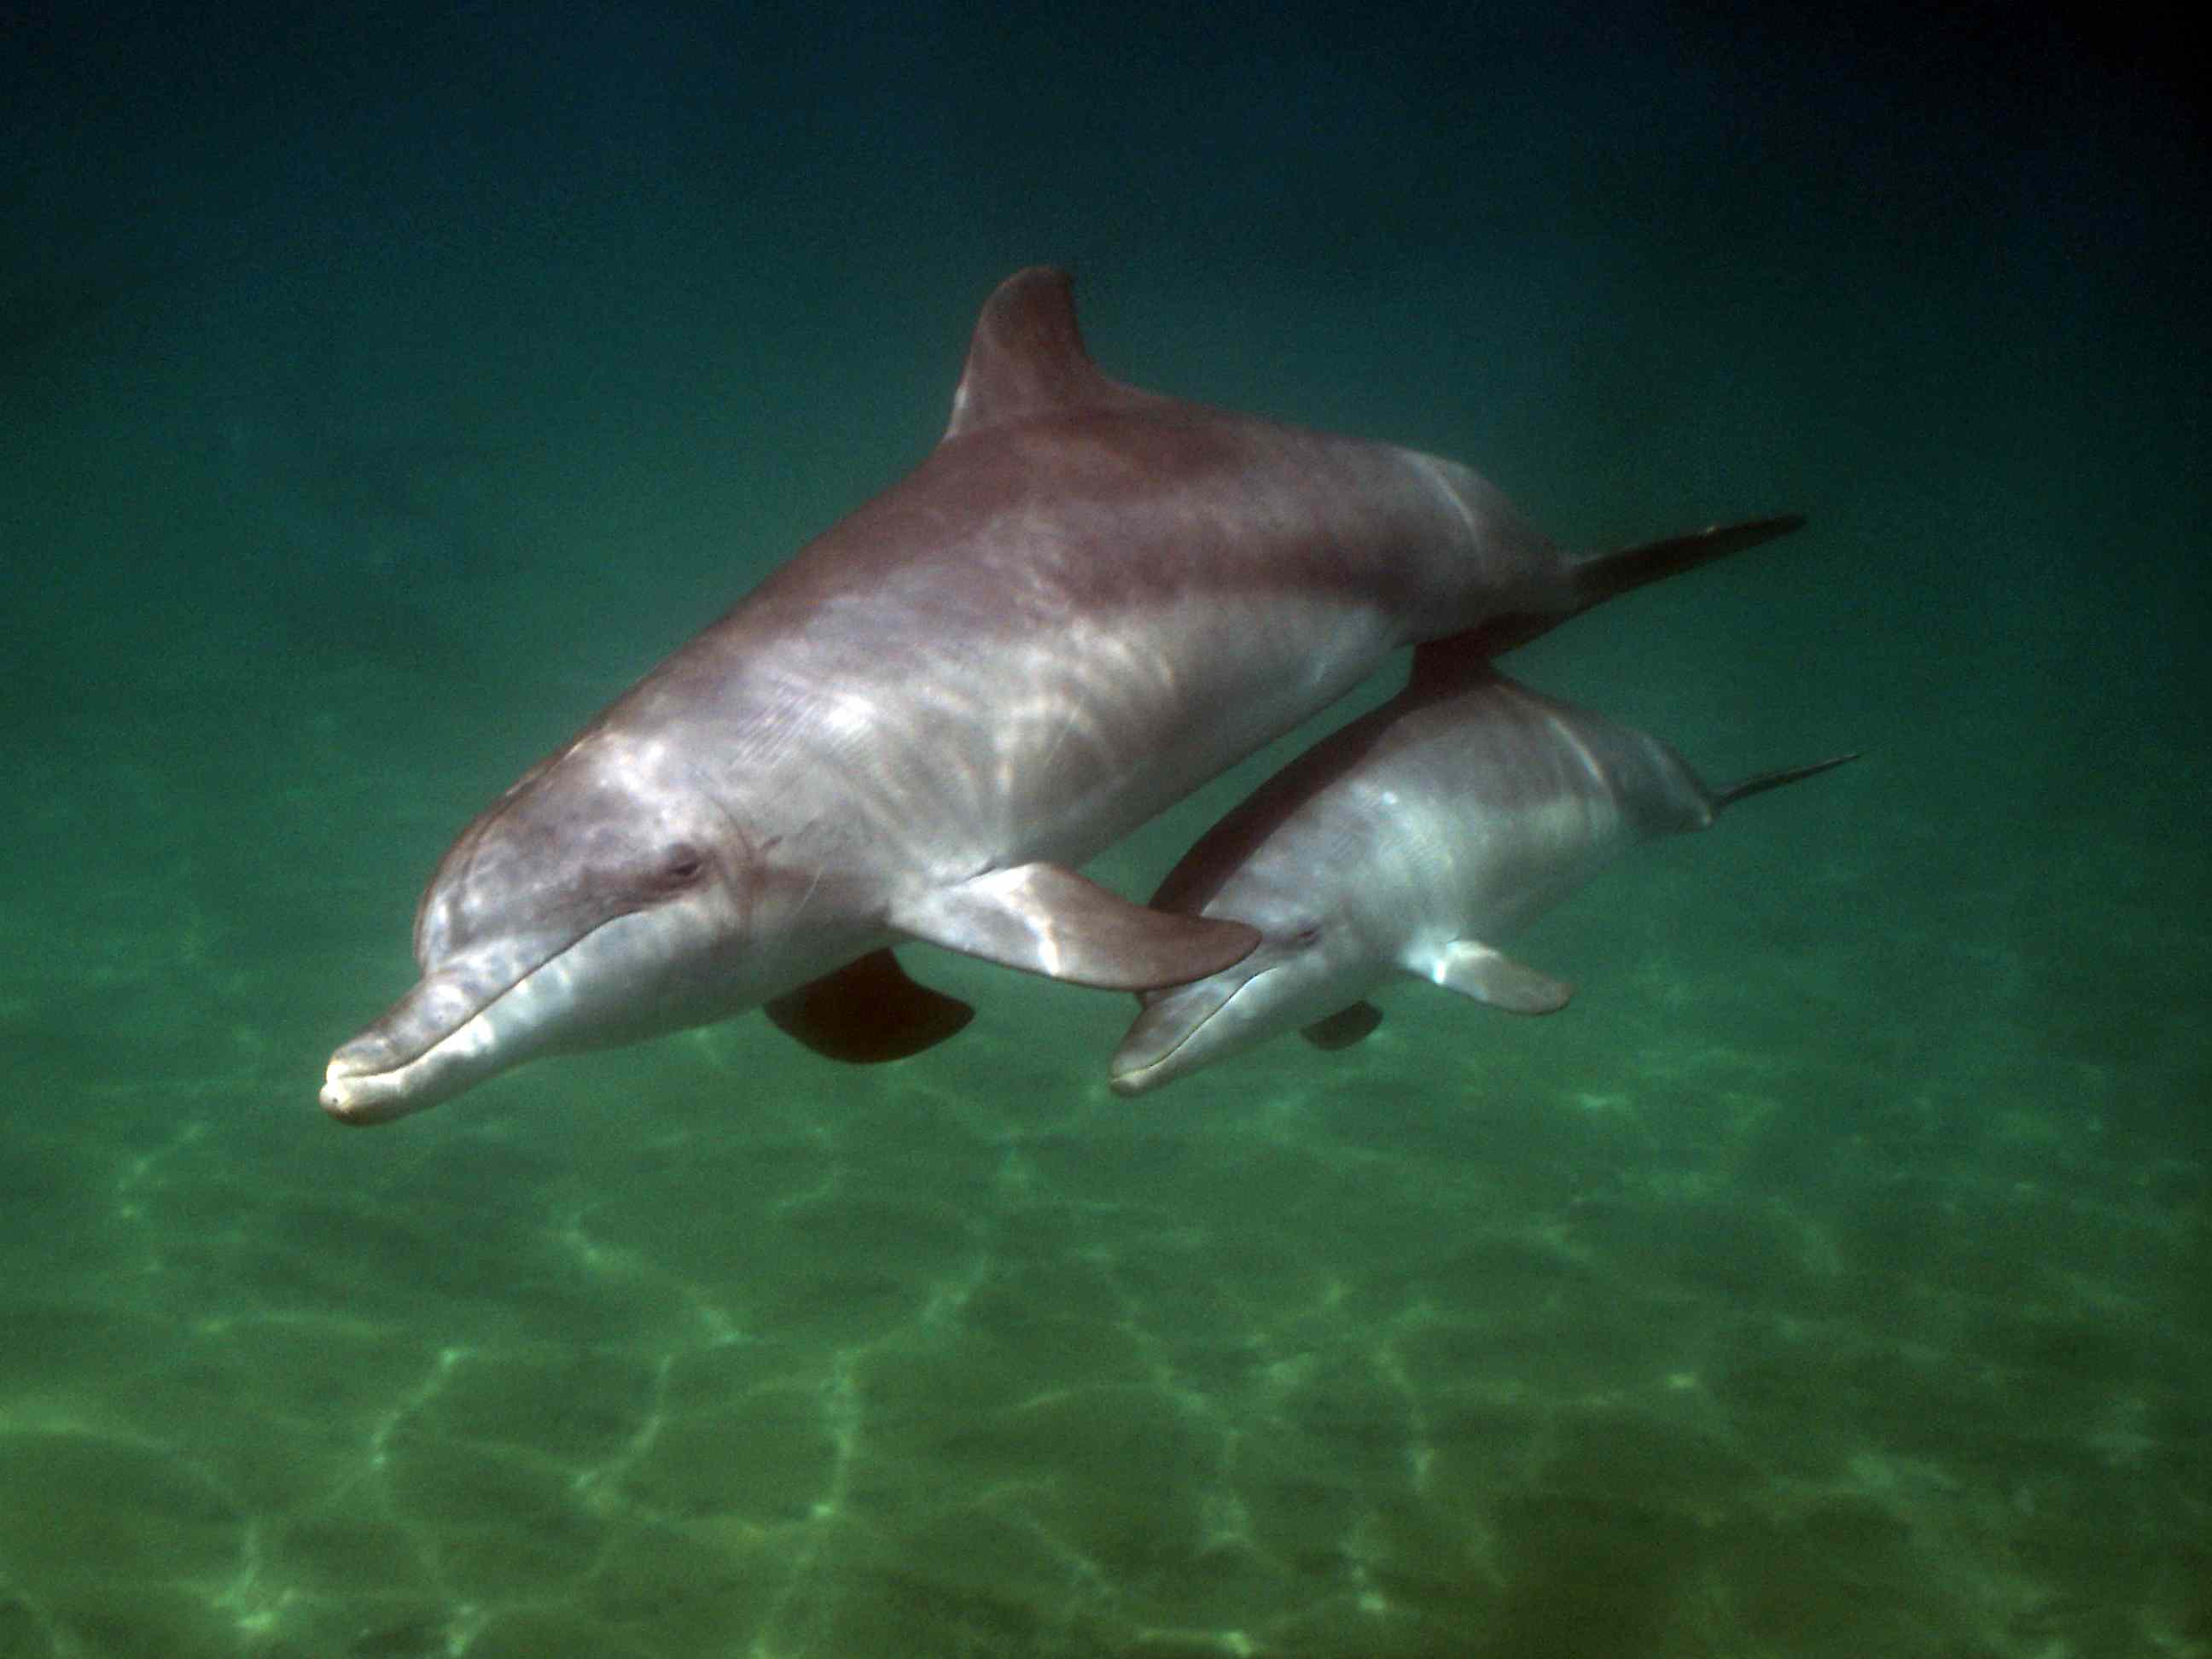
point(1603, 575)
point(1600, 578)
point(1766, 780)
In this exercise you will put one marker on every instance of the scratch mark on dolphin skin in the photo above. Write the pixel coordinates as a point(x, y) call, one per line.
point(813, 881)
point(1433, 470)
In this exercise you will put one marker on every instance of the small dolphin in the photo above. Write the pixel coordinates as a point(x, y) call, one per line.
point(1085, 602)
point(1407, 844)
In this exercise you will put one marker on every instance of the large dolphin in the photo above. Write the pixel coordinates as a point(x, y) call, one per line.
point(1409, 844)
point(1085, 603)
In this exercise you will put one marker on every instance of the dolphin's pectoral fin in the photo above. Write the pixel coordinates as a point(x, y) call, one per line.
point(1343, 1028)
point(1045, 919)
point(868, 1011)
point(1474, 969)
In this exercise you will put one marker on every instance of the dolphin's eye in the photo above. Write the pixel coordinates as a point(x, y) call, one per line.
point(679, 866)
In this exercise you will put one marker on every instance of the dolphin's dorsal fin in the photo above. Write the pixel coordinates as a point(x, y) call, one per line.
point(1027, 357)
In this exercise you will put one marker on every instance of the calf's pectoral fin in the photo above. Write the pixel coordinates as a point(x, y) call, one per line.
point(1343, 1028)
point(1045, 919)
point(1474, 969)
point(868, 1011)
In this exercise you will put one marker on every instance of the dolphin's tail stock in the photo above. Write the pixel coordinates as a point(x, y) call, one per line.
point(1602, 575)
point(1764, 781)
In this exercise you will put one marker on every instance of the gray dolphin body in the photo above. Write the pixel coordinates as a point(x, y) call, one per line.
point(1085, 603)
point(1407, 844)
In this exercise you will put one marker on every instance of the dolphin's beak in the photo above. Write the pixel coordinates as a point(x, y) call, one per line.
point(1149, 1054)
point(479, 1014)
point(432, 1043)
point(355, 1092)
point(360, 1089)
point(361, 1086)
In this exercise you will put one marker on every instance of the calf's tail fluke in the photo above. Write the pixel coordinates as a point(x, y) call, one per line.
point(1764, 781)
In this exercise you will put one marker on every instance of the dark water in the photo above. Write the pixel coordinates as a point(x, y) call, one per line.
point(381, 394)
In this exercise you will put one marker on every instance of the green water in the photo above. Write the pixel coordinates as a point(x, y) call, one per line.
point(380, 396)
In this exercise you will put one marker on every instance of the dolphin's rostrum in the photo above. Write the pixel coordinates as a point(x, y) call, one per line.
point(1086, 601)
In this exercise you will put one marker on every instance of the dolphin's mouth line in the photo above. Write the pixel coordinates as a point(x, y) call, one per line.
point(475, 1010)
point(341, 1070)
point(1191, 1032)
point(361, 1094)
